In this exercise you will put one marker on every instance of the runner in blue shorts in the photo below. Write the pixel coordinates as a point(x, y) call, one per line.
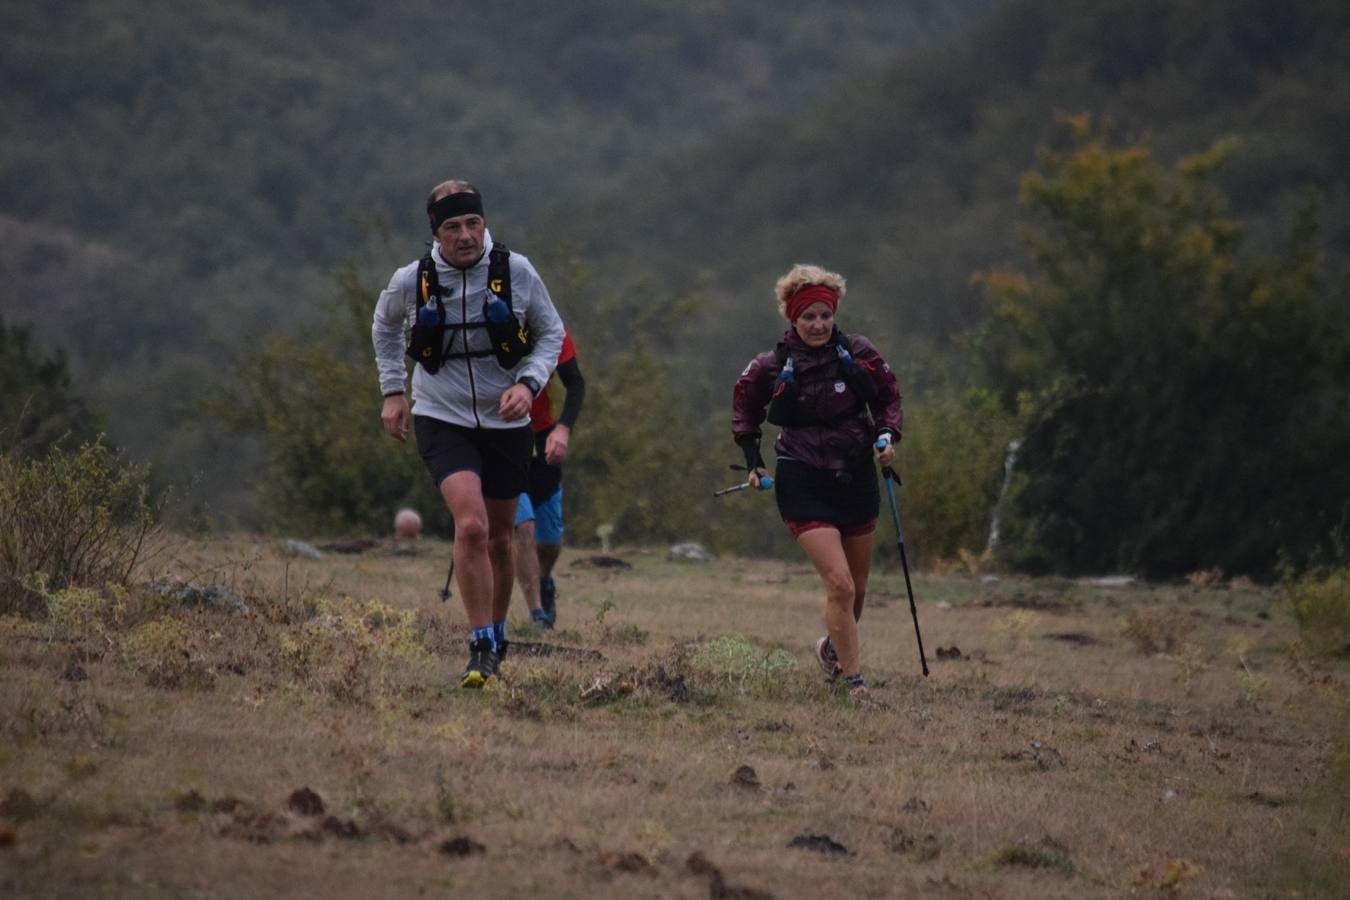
point(539, 521)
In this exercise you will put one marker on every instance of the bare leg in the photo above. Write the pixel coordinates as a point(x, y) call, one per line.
point(527, 563)
point(858, 551)
point(501, 517)
point(463, 493)
point(826, 551)
point(548, 558)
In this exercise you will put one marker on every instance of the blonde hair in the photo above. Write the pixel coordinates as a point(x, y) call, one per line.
point(799, 276)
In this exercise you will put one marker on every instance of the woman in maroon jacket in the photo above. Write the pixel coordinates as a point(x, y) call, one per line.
point(838, 405)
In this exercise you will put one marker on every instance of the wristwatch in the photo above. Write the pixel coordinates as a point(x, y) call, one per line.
point(529, 383)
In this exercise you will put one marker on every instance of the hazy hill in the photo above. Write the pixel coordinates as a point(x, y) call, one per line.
point(179, 179)
point(906, 179)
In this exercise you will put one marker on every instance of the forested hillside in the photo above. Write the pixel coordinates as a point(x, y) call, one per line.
point(177, 180)
point(906, 179)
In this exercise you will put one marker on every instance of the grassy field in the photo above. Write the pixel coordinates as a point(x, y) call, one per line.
point(672, 738)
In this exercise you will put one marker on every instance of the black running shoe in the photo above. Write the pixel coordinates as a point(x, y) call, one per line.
point(501, 651)
point(482, 664)
point(548, 598)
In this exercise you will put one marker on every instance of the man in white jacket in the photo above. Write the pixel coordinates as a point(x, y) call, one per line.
point(471, 395)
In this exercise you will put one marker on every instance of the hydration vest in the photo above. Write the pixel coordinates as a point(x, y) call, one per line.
point(510, 339)
point(785, 406)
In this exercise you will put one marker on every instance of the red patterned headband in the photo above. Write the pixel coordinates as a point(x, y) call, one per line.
point(812, 293)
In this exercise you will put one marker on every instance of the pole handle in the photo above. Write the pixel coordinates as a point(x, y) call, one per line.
point(765, 484)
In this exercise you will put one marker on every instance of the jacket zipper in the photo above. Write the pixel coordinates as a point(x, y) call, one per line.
point(468, 360)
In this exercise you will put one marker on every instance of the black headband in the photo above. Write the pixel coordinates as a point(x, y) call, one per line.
point(462, 204)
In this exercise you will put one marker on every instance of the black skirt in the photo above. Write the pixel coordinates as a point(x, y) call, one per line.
point(838, 496)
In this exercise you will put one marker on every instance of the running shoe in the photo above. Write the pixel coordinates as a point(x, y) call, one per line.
point(541, 618)
point(548, 598)
point(482, 664)
point(829, 661)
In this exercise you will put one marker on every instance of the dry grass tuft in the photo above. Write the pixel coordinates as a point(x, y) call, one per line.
point(1157, 630)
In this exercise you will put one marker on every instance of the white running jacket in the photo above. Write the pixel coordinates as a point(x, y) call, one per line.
point(465, 391)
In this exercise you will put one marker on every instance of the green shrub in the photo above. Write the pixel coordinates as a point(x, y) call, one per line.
point(1320, 603)
point(953, 455)
point(77, 519)
point(78, 613)
point(732, 661)
point(353, 650)
point(1048, 854)
point(167, 654)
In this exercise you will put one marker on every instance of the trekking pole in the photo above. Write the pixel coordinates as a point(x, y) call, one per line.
point(890, 476)
point(764, 484)
point(445, 591)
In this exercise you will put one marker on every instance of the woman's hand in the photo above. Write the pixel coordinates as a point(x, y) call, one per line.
point(884, 451)
point(755, 475)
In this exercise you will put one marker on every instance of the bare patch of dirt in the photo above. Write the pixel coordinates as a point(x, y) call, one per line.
point(524, 648)
point(664, 677)
point(718, 889)
point(305, 802)
point(358, 545)
point(746, 777)
point(601, 562)
point(19, 806)
point(189, 802)
point(461, 846)
point(1034, 600)
point(625, 862)
point(1076, 638)
point(820, 843)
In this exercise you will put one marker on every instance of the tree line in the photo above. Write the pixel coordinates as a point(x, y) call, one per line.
point(903, 174)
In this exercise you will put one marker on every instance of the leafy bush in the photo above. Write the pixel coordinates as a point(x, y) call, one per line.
point(166, 652)
point(1320, 603)
point(77, 519)
point(352, 648)
point(78, 613)
point(37, 408)
point(1147, 345)
point(953, 453)
point(328, 468)
point(732, 661)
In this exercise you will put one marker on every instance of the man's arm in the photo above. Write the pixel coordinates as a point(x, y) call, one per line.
point(387, 332)
point(546, 326)
point(546, 336)
point(569, 373)
point(555, 447)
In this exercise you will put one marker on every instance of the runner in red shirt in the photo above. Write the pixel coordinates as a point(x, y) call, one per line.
point(539, 523)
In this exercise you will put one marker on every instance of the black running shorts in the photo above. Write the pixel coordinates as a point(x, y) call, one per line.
point(841, 497)
point(500, 456)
